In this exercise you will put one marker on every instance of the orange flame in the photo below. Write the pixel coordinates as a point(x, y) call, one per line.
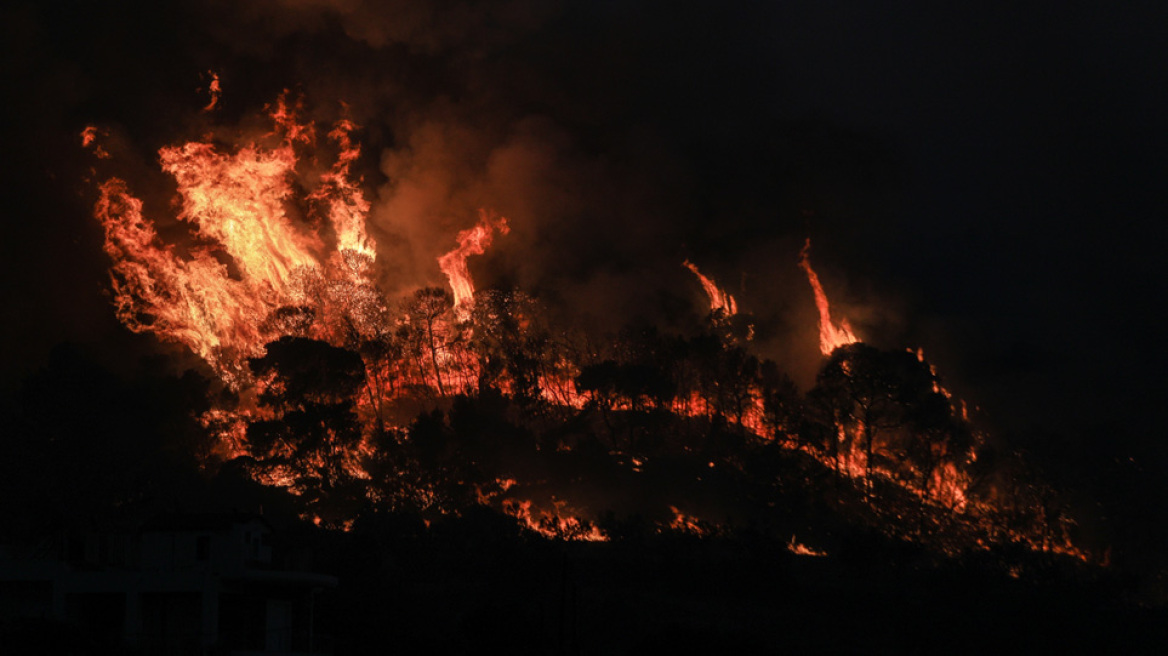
point(256, 273)
point(215, 90)
point(193, 302)
point(720, 300)
point(683, 523)
point(89, 138)
point(831, 336)
point(801, 549)
point(252, 258)
point(470, 242)
point(557, 524)
point(347, 205)
point(238, 201)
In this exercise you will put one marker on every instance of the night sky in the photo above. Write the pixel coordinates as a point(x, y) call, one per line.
point(986, 183)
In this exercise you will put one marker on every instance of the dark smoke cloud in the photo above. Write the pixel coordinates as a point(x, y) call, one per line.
point(618, 139)
point(985, 182)
point(426, 27)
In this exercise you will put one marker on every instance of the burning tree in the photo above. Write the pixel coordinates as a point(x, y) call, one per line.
point(890, 414)
point(343, 395)
point(427, 330)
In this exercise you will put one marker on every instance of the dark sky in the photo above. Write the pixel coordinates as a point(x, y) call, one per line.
point(984, 182)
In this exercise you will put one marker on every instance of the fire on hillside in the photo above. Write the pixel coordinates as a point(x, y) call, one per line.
point(343, 395)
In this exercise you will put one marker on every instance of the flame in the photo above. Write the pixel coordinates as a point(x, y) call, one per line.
point(557, 524)
point(484, 496)
point(684, 523)
point(948, 486)
point(287, 122)
point(720, 300)
point(254, 271)
point(831, 336)
point(250, 258)
point(347, 207)
point(193, 302)
point(214, 89)
point(473, 241)
point(801, 549)
point(237, 201)
point(89, 137)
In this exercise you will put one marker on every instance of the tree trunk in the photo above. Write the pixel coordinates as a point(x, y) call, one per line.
point(868, 435)
point(434, 356)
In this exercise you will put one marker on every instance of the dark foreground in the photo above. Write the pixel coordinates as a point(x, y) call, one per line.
point(482, 584)
point(477, 587)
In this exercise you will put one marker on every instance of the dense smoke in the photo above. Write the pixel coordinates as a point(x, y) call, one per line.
point(618, 142)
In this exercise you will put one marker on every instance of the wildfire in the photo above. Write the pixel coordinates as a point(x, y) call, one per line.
point(237, 201)
point(473, 241)
point(250, 258)
point(214, 90)
point(557, 524)
point(89, 139)
point(720, 300)
point(800, 549)
point(347, 207)
point(193, 301)
point(255, 273)
point(683, 523)
point(831, 336)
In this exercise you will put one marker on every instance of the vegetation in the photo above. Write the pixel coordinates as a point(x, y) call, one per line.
point(431, 561)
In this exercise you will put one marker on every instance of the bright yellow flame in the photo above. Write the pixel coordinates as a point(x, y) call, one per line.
point(250, 258)
point(238, 201)
point(347, 207)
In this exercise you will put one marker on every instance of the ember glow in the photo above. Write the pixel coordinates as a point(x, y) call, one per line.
point(831, 335)
point(275, 290)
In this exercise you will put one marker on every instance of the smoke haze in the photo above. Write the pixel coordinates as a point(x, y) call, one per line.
point(981, 183)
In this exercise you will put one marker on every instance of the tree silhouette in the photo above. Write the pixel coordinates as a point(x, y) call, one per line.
point(886, 399)
point(382, 354)
point(309, 388)
point(427, 329)
point(783, 409)
point(510, 343)
point(85, 446)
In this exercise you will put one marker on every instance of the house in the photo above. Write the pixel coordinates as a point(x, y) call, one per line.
point(182, 584)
